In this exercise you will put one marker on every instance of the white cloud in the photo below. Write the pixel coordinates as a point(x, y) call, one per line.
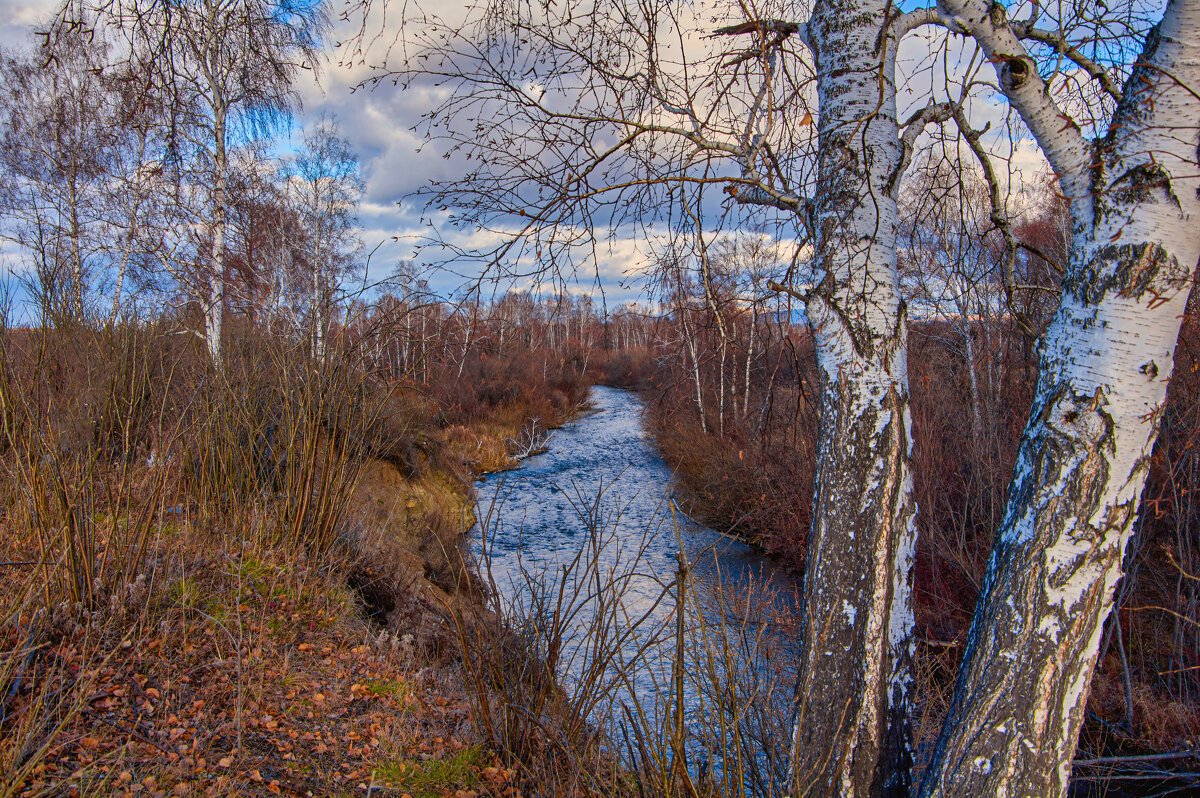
point(18, 18)
point(396, 162)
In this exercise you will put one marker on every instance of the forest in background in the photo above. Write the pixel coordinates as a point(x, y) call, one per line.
point(237, 481)
point(197, 555)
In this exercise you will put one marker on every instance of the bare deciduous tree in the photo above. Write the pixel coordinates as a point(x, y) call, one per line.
point(1106, 360)
point(950, 266)
point(57, 139)
point(325, 185)
point(218, 68)
point(579, 121)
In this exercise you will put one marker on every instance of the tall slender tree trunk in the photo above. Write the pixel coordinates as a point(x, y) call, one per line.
point(721, 390)
point(76, 251)
point(973, 381)
point(690, 340)
point(749, 360)
point(320, 310)
point(214, 310)
point(851, 735)
point(1023, 686)
point(466, 347)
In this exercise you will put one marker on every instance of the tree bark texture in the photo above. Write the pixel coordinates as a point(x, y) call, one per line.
point(1105, 362)
point(851, 735)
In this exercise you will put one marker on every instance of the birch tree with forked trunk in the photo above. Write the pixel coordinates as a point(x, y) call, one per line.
point(578, 122)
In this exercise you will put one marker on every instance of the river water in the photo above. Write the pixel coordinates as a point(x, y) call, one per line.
point(599, 501)
point(533, 513)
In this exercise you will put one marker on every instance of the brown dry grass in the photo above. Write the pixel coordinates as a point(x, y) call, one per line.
point(229, 583)
point(755, 479)
point(243, 672)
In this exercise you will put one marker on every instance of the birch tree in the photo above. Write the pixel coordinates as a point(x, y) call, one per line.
point(676, 292)
point(750, 261)
point(140, 209)
point(57, 141)
point(1105, 363)
point(576, 123)
point(82, 183)
point(265, 263)
point(325, 185)
point(219, 67)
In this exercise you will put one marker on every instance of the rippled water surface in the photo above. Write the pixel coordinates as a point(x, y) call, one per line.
point(537, 520)
point(604, 467)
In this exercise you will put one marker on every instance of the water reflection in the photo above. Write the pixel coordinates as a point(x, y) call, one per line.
point(596, 511)
point(534, 513)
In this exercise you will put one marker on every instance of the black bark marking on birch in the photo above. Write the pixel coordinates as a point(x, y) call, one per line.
point(998, 15)
point(880, 768)
point(1028, 589)
point(1129, 270)
point(1137, 185)
point(1129, 116)
point(893, 775)
point(1014, 71)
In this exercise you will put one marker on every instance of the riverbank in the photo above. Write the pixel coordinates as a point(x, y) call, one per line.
point(742, 444)
point(241, 583)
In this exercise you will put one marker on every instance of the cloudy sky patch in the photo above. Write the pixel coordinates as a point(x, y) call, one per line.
point(378, 120)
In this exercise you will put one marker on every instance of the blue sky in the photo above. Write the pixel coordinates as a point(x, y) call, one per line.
point(378, 124)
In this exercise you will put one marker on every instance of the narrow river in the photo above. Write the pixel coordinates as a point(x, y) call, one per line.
point(602, 496)
point(533, 512)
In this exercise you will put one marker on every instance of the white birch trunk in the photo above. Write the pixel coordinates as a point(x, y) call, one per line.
point(691, 345)
point(721, 392)
point(851, 736)
point(214, 305)
point(76, 307)
point(466, 347)
point(749, 359)
point(976, 400)
point(1106, 359)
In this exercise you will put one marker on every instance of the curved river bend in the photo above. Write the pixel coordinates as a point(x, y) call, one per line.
point(538, 519)
point(603, 489)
